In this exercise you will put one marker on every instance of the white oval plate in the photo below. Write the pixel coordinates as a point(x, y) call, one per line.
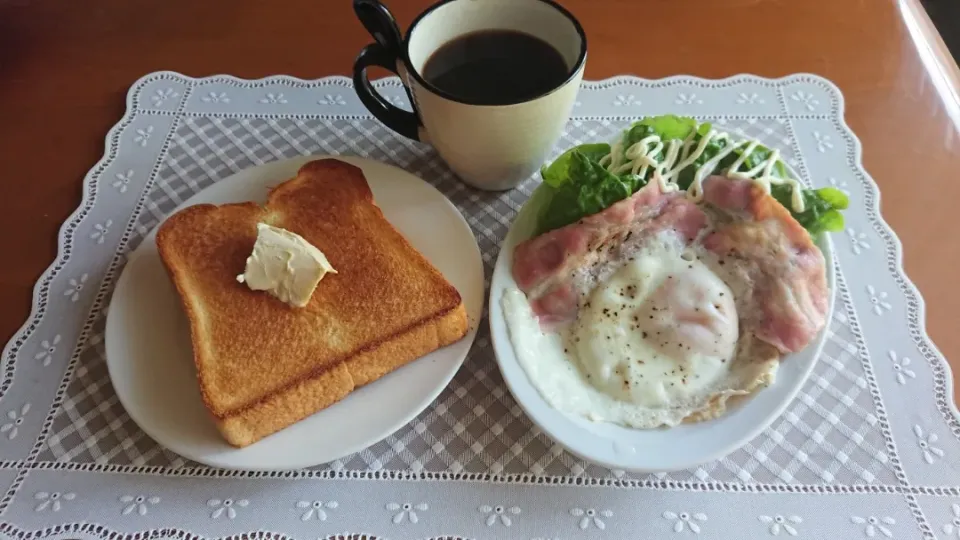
point(637, 450)
point(150, 357)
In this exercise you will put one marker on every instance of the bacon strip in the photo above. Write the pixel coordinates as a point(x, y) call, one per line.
point(787, 270)
point(550, 268)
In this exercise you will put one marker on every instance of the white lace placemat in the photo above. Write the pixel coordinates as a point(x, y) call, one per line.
point(870, 447)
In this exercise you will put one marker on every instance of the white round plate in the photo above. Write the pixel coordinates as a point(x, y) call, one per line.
point(150, 357)
point(637, 450)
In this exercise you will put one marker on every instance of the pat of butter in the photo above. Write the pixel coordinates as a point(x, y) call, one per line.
point(285, 265)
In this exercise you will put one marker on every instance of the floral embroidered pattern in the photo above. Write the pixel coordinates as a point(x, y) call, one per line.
point(273, 98)
point(316, 509)
point(48, 348)
point(590, 516)
point(143, 136)
point(805, 99)
point(688, 99)
point(823, 141)
point(15, 417)
point(101, 230)
point(858, 241)
point(626, 100)
point(952, 528)
point(879, 300)
point(873, 524)
point(499, 514)
point(138, 503)
point(52, 500)
point(926, 443)
point(407, 511)
point(215, 97)
point(161, 96)
point(75, 286)
point(749, 99)
point(685, 520)
point(778, 523)
point(333, 100)
point(900, 367)
point(226, 507)
point(123, 181)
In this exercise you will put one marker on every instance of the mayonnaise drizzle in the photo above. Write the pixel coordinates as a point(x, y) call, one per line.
point(640, 157)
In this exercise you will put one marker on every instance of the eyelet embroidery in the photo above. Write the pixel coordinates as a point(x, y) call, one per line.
point(15, 417)
point(499, 514)
point(226, 507)
point(805, 99)
point(316, 509)
point(750, 99)
point(873, 524)
point(901, 367)
point(137, 503)
point(274, 98)
point(47, 349)
point(123, 181)
point(162, 96)
point(685, 520)
point(778, 523)
point(591, 516)
point(215, 97)
point(329, 99)
point(823, 142)
point(407, 511)
point(52, 500)
point(143, 136)
point(926, 443)
point(879, 300)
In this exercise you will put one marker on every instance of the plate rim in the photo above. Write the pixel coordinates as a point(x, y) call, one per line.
point(501, 279)
point(426, 399)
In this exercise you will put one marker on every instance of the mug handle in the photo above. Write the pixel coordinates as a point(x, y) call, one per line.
point(385, 53)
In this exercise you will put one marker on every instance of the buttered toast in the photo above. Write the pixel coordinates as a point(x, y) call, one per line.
point(263, 365)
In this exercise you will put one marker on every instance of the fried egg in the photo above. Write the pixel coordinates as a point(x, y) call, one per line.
point(655, 343)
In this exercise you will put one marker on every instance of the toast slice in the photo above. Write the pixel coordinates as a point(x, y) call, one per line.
point(264, 365)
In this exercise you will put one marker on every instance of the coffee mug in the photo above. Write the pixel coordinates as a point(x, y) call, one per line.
point(491, 147)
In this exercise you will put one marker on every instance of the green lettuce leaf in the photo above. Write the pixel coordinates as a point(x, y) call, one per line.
point(668, 127)
point(821, 211)
point(579, 186)
point(558, 172)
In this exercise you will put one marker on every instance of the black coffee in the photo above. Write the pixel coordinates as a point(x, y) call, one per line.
point(496, 67)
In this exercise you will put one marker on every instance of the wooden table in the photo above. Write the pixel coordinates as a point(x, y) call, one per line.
point(66, 66)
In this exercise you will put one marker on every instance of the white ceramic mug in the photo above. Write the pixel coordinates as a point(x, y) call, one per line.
point(491, 147)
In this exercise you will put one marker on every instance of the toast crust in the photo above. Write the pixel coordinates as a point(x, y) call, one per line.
point(263, 365)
